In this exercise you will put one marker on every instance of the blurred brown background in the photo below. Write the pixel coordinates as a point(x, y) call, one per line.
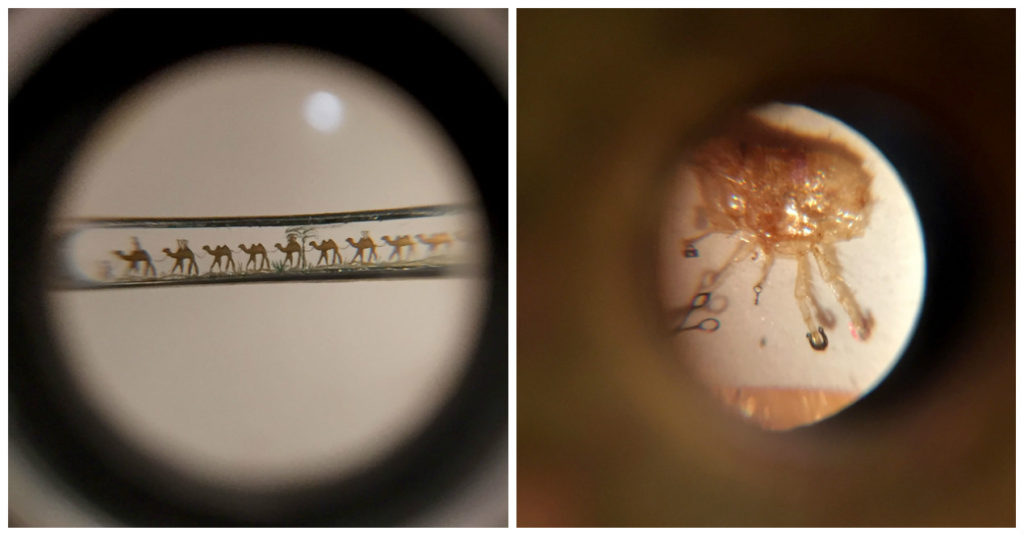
point(609, 433)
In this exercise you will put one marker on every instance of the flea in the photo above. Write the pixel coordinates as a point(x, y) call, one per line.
point(784, 194)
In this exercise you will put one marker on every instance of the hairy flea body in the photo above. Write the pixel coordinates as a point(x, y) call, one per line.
point(785, 194)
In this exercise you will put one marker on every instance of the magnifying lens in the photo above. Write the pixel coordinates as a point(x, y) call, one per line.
point(792, 264)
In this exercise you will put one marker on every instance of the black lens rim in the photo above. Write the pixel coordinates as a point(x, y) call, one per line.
point(53, 112)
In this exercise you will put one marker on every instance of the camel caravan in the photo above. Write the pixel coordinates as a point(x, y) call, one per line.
point(403, 249)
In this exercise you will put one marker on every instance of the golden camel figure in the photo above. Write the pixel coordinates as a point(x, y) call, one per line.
point(436, 240)
point(293, 247)
point(323, 247)
point(257, 249)
point(134, 257)
point(180, 256)
point(398, 243)
point(218, 253)
point(364, 243)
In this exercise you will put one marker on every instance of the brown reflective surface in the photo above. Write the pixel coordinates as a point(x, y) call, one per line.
point(609, 431)
point(784, 408)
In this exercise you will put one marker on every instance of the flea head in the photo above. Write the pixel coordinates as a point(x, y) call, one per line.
point(781, 187)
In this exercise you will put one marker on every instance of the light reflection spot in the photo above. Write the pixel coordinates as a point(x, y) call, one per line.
point(324, 111)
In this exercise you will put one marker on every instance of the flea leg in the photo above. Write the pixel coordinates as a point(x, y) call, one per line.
point(712, 279)
point(825, 317)
point(828, 264)
point(769, 261)
point(802, 292)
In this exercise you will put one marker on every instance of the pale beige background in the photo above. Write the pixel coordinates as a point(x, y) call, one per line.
point(267, 384)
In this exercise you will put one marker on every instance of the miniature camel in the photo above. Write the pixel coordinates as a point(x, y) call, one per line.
point(179, 257)
point(220, 251)
point(293, 247)
point(323, 247)
point(435, 240)
point(398, 243)
point(254, 251)
point(364, 243)
point(134, 258)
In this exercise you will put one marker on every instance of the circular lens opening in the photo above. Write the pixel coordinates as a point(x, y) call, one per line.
point(260, 353)
point(791, 265)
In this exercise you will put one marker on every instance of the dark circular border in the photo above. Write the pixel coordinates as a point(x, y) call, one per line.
point(53, 113)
